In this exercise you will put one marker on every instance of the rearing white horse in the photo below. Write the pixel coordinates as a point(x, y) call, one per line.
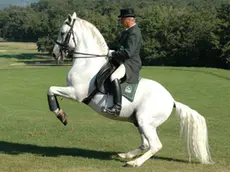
point(152, 104)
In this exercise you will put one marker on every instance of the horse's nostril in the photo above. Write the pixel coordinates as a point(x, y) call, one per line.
point(54, 56)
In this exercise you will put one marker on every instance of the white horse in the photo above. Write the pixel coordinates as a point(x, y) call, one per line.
point(152, 104)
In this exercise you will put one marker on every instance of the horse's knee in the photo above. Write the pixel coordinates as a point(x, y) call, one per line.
point(159, 146)
point(155, 146)
point(50, 91)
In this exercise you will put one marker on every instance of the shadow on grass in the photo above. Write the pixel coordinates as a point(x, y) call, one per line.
point(24, 55)
point(35, 59)
point(46, 62)
point(18, 148)
point(170, 159)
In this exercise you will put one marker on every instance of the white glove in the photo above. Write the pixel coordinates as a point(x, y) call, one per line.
point(110, 53)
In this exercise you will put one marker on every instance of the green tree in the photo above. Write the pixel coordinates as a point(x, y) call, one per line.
point(224, 32)
point(178, 36)
point(188, 33)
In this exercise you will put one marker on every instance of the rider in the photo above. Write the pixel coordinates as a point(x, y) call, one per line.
point(127, 56)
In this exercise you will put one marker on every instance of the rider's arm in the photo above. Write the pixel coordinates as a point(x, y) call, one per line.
point(129, 48)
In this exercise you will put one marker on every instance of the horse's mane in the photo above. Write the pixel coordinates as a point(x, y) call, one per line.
point(95, 33)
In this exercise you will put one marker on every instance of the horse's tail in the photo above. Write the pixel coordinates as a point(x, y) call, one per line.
point(194, 129)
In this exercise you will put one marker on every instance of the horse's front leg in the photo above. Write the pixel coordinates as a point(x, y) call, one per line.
point(66, 92)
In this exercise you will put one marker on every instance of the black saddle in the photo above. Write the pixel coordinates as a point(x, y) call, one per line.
point(102, 81)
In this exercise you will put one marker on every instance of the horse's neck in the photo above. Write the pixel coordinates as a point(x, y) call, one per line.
point(90, 42)
point(90, 39)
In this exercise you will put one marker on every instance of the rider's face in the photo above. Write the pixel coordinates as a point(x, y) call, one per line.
point(124, 21)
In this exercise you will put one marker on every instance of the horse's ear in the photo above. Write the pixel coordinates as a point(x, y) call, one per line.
point(69, 18)
point(74, 16)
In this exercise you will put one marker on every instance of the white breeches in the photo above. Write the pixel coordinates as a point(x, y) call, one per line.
point(118, 73)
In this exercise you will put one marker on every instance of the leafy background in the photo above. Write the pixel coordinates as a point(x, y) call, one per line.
point(7, 3)
point(175, 33)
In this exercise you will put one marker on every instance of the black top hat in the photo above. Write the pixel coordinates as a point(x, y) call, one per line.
point(126, 12)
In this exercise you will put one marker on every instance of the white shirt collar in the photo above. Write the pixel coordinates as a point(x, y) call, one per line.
point(130, 27)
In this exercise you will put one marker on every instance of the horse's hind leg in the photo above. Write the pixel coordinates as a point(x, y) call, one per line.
point(154, 144)
point(66, 92)
point(136, 152)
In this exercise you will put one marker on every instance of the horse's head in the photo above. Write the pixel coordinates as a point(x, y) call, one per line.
point(81, 38)
point(66, 40)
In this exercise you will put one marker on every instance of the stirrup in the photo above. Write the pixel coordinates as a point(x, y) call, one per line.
point(114, 110)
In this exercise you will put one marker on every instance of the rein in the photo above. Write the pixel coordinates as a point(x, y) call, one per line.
point(93, 55)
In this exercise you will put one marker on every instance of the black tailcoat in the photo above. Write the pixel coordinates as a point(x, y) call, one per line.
point(128, 52)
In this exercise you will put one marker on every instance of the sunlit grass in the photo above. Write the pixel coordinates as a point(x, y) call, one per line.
point(33, 140)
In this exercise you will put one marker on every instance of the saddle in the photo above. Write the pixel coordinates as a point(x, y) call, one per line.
point(102, 81)
point(103, 84)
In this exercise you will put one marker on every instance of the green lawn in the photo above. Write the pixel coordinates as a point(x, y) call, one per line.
point(33, 140)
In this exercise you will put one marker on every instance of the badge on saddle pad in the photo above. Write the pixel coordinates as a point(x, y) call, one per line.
point(129, 90)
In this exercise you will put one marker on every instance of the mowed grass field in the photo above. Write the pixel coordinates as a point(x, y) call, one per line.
point(32, 139)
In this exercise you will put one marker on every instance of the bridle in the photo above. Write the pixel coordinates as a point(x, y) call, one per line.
point(64, 45)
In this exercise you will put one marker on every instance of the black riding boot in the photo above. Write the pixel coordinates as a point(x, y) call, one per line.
point(115, 110)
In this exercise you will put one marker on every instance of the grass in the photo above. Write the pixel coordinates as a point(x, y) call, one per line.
point(33, 140)
point(20, 54)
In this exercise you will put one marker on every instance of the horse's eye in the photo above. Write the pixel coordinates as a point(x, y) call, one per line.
point(62, 33)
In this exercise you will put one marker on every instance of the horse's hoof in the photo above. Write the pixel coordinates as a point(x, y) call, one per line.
point(62, 117)
point(131, 164)
point(122, 155)
point(126, 165)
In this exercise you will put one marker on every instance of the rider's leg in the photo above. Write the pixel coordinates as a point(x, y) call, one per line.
point(118, 73)
point(117, 96)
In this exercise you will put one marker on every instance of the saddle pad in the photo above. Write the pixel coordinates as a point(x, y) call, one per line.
point(129, 90)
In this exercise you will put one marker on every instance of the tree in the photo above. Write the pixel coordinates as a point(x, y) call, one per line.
point(182, 33)
point(224, 32)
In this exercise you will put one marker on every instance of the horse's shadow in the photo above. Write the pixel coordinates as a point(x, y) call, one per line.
point(18, 148)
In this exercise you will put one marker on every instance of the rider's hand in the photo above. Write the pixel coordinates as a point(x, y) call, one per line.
point(110, 53)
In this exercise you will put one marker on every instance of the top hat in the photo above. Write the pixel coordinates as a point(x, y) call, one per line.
point(126, 12)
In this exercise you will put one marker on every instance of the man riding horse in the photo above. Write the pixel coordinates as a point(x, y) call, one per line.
point(152, 104)
point(127, 56)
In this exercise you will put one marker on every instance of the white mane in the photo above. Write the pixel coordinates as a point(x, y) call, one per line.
point(95, 33)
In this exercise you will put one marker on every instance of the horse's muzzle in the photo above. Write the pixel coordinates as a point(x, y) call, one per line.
point(58, 56)
point(54, 56)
